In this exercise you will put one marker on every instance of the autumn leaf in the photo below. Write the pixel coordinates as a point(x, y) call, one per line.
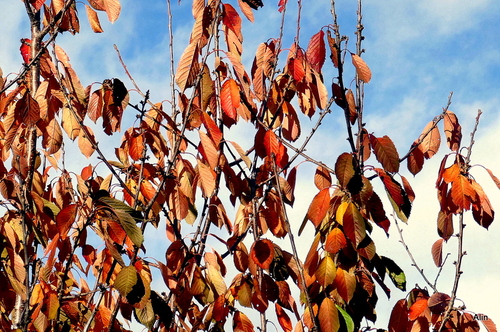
point(326, 272)
point(186, 67)
point(283, 319)
point(316, 51)
point(437, 252)
point(319, 207)
point(385, 152)
point(262, 253)
point(362, 70)
point(399, 317)
point(335, 241)
point(230, 98)
point(344, 169)
point(328, 316)
point(452, 130)
point(438, 302)
point(93, 19)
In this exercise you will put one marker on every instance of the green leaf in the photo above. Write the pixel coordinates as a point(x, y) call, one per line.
point(347, 319)
point(126, 280)
point(129, 226)
point(395, 273)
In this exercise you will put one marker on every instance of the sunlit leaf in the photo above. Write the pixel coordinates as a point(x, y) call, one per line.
point(349, 323)
point(283, 319)
point(93, 19)
point(385, 152)
point(345, 283)
point(241, 323)
point(187, 67)
point(462, 193)
point(431, 140)
point(230, 98)
point(328, 316)
point(316, 51)
point(362, 70)
point(326, 272)
point(417, 309)
point(395, 273)
point(335, 241)
point(65, 218)
point(354, 224)
point(319, 207)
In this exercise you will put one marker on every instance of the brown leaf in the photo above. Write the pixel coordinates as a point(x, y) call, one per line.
point(399, 317)
point(344, 169)
point(415, 160)
point(494, 178)
point(437, 252)
point(452, 131)
point(362, 70)
point(246, 10)
point(438, 302)
point(262, 253)
point(283, 319)
point(322, 178)
point(112, 8)
point(65, 218)
point(386, 153)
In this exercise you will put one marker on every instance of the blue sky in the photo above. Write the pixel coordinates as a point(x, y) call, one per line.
point(418, 52)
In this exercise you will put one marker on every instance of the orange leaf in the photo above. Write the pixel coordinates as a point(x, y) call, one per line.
point(462, 192)
point(65, 218)
point(316, 51)
point(362, 70)
point(207, 178)
point(93, 19)
point(452, 131)
point(208, 150)
point(136, 145)
point(283, 318)
point(322, 178)
point(431, 141)
point(296, 69)
point(187, 67)
point(488, 323)
point(319, 207)
point(262, 253)
point(335, 241)
point(291, 124)
point(437, 252)
point(345, 283)
point(494, 178)
point(417, 309)
point(112, 8)
point(385, 152)
point(241, 323)
point(230, 98)
point(344, 169)
point(85, 143)
point(52, 137)
point(328, 316)
point(351, 104)
point(246, 10)
point(271, 143)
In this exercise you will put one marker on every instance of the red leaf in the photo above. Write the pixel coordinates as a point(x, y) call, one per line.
point(399, 317)
point(282, 5)
point(488, 323)
point(316, 51)
point(262, 253)
point(415, 160)
point(271, 143)
point(296, 69)
point(437, 252)
point(25, 50)
point(232, 20)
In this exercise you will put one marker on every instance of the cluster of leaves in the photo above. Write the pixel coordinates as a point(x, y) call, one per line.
point(171, 168)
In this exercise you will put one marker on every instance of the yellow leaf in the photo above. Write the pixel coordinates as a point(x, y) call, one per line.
point(326, 271)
